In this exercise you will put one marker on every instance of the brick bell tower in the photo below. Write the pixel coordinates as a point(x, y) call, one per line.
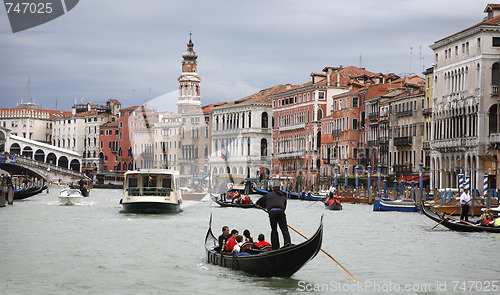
point(189, 82)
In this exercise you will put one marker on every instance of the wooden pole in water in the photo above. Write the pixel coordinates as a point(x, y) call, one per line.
point(331, 257)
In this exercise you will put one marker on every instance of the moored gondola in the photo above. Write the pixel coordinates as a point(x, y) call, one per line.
point(283, 262)
point(222, 203)
point(455, 224)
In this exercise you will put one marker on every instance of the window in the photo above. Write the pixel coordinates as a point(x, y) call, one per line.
point(495, 42)
point(321, 95)
point(354, 124)
point(355, 102)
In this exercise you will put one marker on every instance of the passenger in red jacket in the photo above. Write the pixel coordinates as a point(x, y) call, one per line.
point(231, 242)
point(262, 241)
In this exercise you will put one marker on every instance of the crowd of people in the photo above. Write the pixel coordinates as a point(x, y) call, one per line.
point(239, 245)
point(488, 219)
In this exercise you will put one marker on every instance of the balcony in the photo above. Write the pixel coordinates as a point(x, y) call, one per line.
point(426, 145)
point(290, 155)
point(401, 169)
point(372, 143)
point(373, 116)
point(404, 113)
point(384, 147)
point(494, 90)
point(455, 143)
point(293, 127)
point(336, 132)
point(402, 141)
point(495, 138)
point(383, 139)
point(426, 112)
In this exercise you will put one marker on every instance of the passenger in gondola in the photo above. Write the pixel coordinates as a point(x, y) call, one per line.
point(248, 236)
point(238, 200)
point(262, 242)
point(224, 237)
point(239, 243)
point(231, 242)
point(490, 220)
point(246, 200)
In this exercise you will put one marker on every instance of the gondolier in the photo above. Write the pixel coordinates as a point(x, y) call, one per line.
point(275, 203)
point(464, 204)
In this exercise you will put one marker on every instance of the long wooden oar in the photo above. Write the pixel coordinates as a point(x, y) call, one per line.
point(464, 221)
point(445, 218)
point(320, 248)
point(316, 202)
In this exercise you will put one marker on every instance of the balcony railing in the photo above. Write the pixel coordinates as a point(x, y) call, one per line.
point(494, 90)
point(290, 155)
point(372, 143)
point(427, 111)
point(373, 116)
point(402, 141)
point(426, 145)
point(404, 113)
point(401, 168)
point(336, 132)
point(383, 139)
point(293, 127)
point(455, 143)
point(495, 138)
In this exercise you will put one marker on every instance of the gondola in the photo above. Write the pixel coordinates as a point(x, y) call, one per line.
point(398, 205)
point(336, 205)
point(28, 192)
point(455, 224)
point(222, 203)
point(290, 195)
point(283, 262)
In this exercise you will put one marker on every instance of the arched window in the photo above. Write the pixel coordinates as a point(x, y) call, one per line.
point(265, 121)
point(263, 147)
point(495, 74)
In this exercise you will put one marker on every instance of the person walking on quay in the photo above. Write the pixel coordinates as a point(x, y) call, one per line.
point(275, 203)
point(464, 203)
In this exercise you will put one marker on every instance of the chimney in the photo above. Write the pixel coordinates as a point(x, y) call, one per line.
point(492, 10)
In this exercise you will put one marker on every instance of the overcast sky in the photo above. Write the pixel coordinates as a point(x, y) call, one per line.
point(131, 50)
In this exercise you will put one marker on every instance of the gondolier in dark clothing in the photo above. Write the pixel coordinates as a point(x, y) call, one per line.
point(464, 203)
point(275, 203)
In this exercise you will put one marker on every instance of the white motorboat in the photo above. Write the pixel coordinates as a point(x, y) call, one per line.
point(70, 196)
point(151, 191)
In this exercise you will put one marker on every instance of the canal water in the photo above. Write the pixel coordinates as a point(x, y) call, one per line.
point(93, 248)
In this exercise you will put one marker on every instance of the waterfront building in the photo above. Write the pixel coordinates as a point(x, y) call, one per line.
point(167, 141)
point(427, 113)
point(406, 122)
point(109, 136)
point(465, 112)
point(241, 138)
point(30, 122)
point(298, 112)
point(125, 153)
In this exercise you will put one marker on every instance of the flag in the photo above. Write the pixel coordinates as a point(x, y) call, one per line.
point(224, 153)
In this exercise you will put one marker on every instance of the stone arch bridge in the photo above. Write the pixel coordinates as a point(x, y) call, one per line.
point(38, 159)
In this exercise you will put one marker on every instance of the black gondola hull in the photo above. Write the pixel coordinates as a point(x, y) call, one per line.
point(283, 262)
point(455, 225)
point(230, 204)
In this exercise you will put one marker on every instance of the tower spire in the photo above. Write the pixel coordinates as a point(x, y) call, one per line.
point(189, 81)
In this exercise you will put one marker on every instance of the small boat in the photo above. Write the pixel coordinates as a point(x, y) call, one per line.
point(223, 203)
point(70, 196)
point(398, 205)
point(453, 205)
point(283, 262)
point(455, 224)
point(151, 191)
point(335, 205)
